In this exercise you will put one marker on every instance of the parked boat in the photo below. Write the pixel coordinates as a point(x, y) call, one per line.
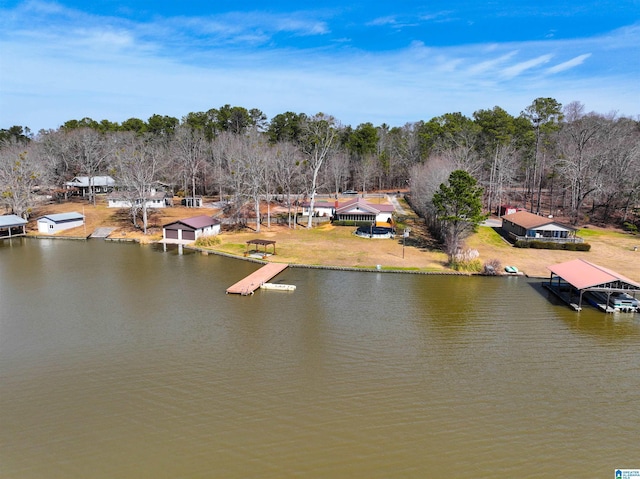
point(624, 302)
point(278, 286)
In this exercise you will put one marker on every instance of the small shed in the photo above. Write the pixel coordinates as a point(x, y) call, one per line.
point(190, 229)
point(12, 225)
point(59, 222)
point(504, 210)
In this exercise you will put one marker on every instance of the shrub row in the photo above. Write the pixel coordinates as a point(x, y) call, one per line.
point(553, 245)
point(352, 223)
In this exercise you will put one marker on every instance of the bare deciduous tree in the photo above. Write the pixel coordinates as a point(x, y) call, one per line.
point(190, 152)
point(20, 172)
point(318, 141)
point(138, 165)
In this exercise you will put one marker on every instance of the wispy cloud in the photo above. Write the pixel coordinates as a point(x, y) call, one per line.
point(574, 62)
point(382, 21)
point(519, 68)
point(491, 64)
point(80, 65)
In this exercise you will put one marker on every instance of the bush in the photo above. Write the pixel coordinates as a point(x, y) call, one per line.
point(471, 266)
point(207, 241)
point(630, 227)
point(553, 245)
point(582, 246)
point(492, 267)
point(352, 223)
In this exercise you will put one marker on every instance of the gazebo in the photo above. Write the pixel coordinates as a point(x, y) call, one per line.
point(263, 243)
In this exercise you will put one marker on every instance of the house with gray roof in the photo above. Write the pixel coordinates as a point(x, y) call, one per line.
point(84, 184)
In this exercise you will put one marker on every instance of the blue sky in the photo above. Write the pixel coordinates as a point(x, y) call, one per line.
point(382, 62)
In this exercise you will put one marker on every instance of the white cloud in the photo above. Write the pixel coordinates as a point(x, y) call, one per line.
point(116, 69)
point(491, 64)
point(382, 21)
point(519, 68)
point(574, 62)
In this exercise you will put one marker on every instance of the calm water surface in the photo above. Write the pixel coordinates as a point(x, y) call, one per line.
point(124, 361)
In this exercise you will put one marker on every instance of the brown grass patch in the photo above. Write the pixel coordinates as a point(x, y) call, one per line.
point(331, 245)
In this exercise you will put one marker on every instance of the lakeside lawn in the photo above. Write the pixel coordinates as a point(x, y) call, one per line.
point(329, 245)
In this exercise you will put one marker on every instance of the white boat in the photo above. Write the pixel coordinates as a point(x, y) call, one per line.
point(278, 286)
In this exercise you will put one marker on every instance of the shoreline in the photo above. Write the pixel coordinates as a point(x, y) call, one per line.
point(334, 268)
point(367, 269)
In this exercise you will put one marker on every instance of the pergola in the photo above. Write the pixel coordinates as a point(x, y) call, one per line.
point(582, 276)
point(261, 242)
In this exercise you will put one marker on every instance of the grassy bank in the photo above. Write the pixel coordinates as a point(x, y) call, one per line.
point(329, 245)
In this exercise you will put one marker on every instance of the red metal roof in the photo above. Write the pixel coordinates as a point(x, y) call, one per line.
point(582, 274)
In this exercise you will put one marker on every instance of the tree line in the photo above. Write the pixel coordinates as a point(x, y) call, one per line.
point(549, 159)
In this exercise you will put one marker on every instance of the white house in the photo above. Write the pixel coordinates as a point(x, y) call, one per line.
point(190, 229)
point(121, 199)
point(58, 222)
point(320, 208)
point(358, 210)
point(526, 226)
point(100, 184)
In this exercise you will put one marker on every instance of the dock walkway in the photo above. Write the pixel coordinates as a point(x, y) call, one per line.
point(252, 282)
point(102, 232)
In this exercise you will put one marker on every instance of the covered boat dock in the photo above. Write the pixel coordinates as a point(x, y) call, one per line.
point(578, 279)
point(12, 226)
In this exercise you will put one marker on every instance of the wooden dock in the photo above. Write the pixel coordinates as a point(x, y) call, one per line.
point(252, 282)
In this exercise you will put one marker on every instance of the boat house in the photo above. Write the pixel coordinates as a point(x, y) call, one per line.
point(58, 222)
point(525, 226)
point(576, 280)
point(11, 226)
point(190, 229)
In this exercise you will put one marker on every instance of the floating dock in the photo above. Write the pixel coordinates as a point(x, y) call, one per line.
point(256, 279)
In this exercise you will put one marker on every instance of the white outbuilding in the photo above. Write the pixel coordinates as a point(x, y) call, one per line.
point(190, 229)
point(58, 222)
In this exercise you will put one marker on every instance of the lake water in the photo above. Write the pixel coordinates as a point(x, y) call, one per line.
point(124, 361)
